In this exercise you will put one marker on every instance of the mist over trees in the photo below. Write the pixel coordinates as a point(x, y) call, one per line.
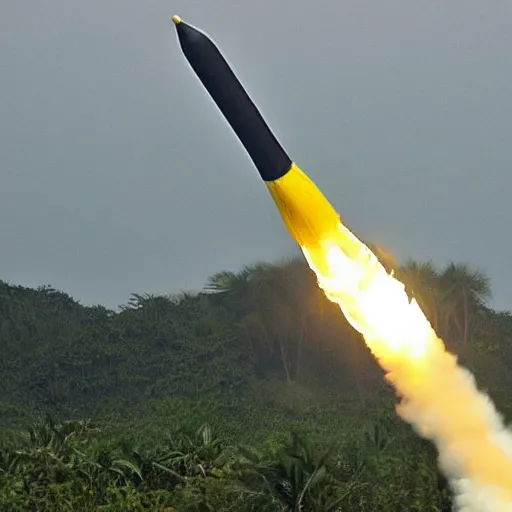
point(253, 395)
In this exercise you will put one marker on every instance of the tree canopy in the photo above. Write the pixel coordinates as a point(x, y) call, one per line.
point(253, 394)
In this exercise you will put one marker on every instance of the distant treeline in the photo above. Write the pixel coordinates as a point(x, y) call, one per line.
point(259, 354)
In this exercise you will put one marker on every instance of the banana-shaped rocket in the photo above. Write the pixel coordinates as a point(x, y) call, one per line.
point(308, 215)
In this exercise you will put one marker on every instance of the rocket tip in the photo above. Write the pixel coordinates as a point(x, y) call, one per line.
point(176, 19)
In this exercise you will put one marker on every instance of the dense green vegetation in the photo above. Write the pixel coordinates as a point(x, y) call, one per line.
point(253, 395)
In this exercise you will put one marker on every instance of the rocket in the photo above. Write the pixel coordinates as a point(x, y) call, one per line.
point(306, 212)
point(439, 398)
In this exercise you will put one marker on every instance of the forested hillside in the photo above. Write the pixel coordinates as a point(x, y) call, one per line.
point(254, 394)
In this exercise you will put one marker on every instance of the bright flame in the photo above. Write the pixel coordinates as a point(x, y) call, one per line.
point(439, 398)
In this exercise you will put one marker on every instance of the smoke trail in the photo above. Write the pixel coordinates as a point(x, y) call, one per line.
point(438, 398)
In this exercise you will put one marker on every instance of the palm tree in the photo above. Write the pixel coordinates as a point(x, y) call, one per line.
point(421, 281)
point(465, 291)
point(270, 305)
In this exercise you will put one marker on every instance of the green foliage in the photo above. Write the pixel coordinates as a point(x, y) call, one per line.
point(253, 395)
point(70, 466)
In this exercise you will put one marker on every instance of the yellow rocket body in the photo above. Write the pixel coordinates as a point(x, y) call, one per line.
point(310, 218)
point(307, 213)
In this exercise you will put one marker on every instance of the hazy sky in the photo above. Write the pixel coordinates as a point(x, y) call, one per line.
point(119, 175)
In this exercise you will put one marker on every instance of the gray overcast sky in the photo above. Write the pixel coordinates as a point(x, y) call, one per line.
point(119, 175)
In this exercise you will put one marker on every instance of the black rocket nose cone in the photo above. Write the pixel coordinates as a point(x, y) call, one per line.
point(188, 35)
point(233, 101)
